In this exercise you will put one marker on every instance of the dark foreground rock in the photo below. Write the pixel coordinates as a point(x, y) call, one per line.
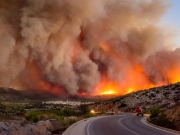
point(48, 127)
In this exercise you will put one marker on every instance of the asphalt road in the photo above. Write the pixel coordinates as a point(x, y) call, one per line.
point(122, 125)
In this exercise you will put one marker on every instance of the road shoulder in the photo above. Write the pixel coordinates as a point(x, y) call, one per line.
point(80, 127)
point(145, 121)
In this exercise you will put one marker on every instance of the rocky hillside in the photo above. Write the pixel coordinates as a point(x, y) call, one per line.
point(174, 115)
point(165, 97)
point(13, 95)
point(9, 94)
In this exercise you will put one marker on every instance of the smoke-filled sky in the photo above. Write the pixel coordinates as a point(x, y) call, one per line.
point(86, 47)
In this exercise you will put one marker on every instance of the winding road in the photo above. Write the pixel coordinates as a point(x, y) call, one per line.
point(116, 125)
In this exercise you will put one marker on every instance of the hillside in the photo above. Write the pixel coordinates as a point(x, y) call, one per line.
point(165, 97)
point(13, 95)
point(9, 94)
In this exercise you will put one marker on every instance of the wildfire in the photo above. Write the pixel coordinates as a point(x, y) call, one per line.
point(107, 87)
point(134, 81)
point(108, 92)
point(130, 90)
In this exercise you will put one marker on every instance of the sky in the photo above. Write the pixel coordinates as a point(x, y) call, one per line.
point(173, 14)
point(172, 17)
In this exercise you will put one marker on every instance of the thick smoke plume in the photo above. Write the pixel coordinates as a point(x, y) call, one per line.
point(78, 46)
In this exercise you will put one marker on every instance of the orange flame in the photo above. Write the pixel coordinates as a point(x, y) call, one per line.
point(173, 75)
point(106, 87)
point(134, 81)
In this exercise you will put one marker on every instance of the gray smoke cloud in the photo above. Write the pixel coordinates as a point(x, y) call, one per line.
point(74, 43)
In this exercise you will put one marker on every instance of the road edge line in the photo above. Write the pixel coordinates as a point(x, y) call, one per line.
point(145, 121)
point(87, 126)
point(70, 127)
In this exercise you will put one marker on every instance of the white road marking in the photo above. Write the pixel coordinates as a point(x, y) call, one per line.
point(88, 133)
point(119, 122)
point(87, 128)
point(143, 120)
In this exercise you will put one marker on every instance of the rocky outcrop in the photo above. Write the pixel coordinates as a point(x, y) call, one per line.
point(174, 115)
point(18, 128)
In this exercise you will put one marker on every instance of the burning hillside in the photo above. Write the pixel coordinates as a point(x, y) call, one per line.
point(82, 47)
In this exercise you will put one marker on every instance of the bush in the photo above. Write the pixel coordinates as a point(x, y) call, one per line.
point(63, 112)
point(163, 121)
point(68, 112)
point(72, 121)
point(32, 116)
point(166, 94)
point(152, 95)
point(89, 115)
point(61, 118)
point(159, 118)
point(157, 92)
point(154, 111)
point(51, 116)
point(3, 108)
point(84, 109)
point(59, 114)
point(122, 105)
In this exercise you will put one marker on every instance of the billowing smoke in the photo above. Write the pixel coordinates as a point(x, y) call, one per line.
point(70, 46)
